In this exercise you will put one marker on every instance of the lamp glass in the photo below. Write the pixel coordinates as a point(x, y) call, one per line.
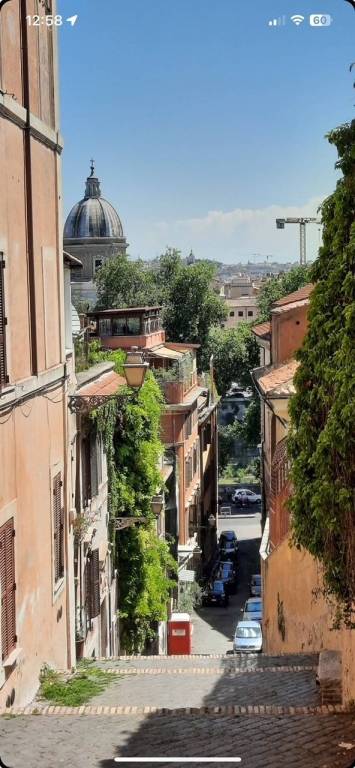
point(135, 374)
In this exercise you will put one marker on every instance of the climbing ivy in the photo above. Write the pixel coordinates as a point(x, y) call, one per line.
point(130, 429)
point(322, 439)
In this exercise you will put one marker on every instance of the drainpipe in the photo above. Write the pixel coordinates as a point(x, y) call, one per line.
point(28, 185)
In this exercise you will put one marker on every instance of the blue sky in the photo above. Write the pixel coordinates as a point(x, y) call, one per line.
point(204, 122)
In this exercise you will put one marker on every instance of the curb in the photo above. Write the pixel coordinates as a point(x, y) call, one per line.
point(230, 710)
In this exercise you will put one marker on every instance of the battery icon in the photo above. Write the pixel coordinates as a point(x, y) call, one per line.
point(320, 20)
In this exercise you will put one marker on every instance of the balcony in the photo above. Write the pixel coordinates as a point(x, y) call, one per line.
point(175, 390)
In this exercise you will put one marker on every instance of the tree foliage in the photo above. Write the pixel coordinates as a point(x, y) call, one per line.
point(322, 441)
point(123, 283)
point(280, 286)
point(235, 354)
point(190, 306)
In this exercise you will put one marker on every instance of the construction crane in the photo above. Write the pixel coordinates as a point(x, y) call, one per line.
point(280, 224)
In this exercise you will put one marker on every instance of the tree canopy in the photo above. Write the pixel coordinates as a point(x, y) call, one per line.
point(190, 306)
point(280, 286)
point(235, 354)
point(322, 441)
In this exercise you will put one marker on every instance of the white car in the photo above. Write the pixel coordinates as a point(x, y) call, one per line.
point(248, 637)
point(253, 609)
point(244, 496)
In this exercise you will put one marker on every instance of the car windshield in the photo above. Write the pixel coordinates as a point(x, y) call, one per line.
point(243, 632)
point(251, 607)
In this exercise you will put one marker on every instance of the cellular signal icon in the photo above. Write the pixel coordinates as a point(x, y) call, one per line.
point(297, 19)
point(279, 22)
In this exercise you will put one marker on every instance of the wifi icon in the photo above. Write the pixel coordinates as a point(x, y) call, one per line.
point(297, 19)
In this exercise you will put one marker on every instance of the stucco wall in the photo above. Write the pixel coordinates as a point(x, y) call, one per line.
point(292, 580)
point(31, 453)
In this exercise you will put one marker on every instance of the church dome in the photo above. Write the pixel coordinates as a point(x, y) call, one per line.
point(93, 216)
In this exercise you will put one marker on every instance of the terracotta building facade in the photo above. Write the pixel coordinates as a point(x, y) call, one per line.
point(189, 417)
point(296, 616)
point(35, 541)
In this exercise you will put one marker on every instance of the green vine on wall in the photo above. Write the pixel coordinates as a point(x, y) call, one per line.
point(130, 429)
point(322, 439)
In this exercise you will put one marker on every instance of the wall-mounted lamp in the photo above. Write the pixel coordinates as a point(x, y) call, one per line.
point(135, 368)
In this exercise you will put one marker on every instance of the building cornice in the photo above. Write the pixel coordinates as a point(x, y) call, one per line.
point(40, 131)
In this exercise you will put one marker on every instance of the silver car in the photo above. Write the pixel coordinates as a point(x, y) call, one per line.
point(248, 637)
point(253, 609)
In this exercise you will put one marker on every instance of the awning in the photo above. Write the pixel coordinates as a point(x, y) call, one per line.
point(165, 352)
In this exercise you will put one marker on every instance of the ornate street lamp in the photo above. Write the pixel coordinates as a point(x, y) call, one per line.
point(135, 368)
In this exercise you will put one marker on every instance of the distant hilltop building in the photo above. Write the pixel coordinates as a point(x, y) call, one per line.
point(93, 233)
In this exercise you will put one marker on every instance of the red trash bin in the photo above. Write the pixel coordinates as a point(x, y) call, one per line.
point(179, 634)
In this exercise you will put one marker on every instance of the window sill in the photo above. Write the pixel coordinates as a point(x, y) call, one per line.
point(12, 659)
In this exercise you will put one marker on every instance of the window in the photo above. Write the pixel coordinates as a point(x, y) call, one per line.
point(3, 366)
point(85, 472)
point(250, 313)
point(8, 589)
point(92, 585)
point(97, 264)
point(105, 327)
point(188, 426)
point(231, 314)
point(58, 527)
point(240, 313)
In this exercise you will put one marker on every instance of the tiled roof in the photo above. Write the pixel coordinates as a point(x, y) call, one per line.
point(262, 330)
point(278, 380)
point(300, 295)
point(107, 384)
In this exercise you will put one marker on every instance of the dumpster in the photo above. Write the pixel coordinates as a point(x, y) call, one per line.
point(179, 634)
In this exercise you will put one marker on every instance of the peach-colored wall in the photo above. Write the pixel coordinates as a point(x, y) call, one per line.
point(296, 578)
point(33, 431)
point(146, 341)
point(287, 334)
point(31, 452)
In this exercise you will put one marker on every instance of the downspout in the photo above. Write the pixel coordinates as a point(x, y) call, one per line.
point(29, 187)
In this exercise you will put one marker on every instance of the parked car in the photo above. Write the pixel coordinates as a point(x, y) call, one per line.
point(227, 536)
point(225, 511)
point(215, 594)
point(248, 637)
point(253, 609)
point(245, 497)
point(228, 550)
point(226, 572)
point(255, 585)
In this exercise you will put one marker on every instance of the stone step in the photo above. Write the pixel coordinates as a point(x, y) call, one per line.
point(215, 661)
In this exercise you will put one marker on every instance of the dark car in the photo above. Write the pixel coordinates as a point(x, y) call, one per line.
point(215, 594)
point(228, 551)
point(225, 571)
point(227, 536)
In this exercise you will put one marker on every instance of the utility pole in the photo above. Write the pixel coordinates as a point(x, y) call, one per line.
point(280, 224)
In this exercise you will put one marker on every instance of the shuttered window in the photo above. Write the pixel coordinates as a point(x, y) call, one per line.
point(92, 585)
point(8, 589)
point(58, 527)
point(3, 366)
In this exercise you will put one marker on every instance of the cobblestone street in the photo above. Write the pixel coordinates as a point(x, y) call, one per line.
point(264, 709)
point(308, 741)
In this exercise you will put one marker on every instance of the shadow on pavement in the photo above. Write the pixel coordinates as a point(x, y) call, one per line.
point(224, 620)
